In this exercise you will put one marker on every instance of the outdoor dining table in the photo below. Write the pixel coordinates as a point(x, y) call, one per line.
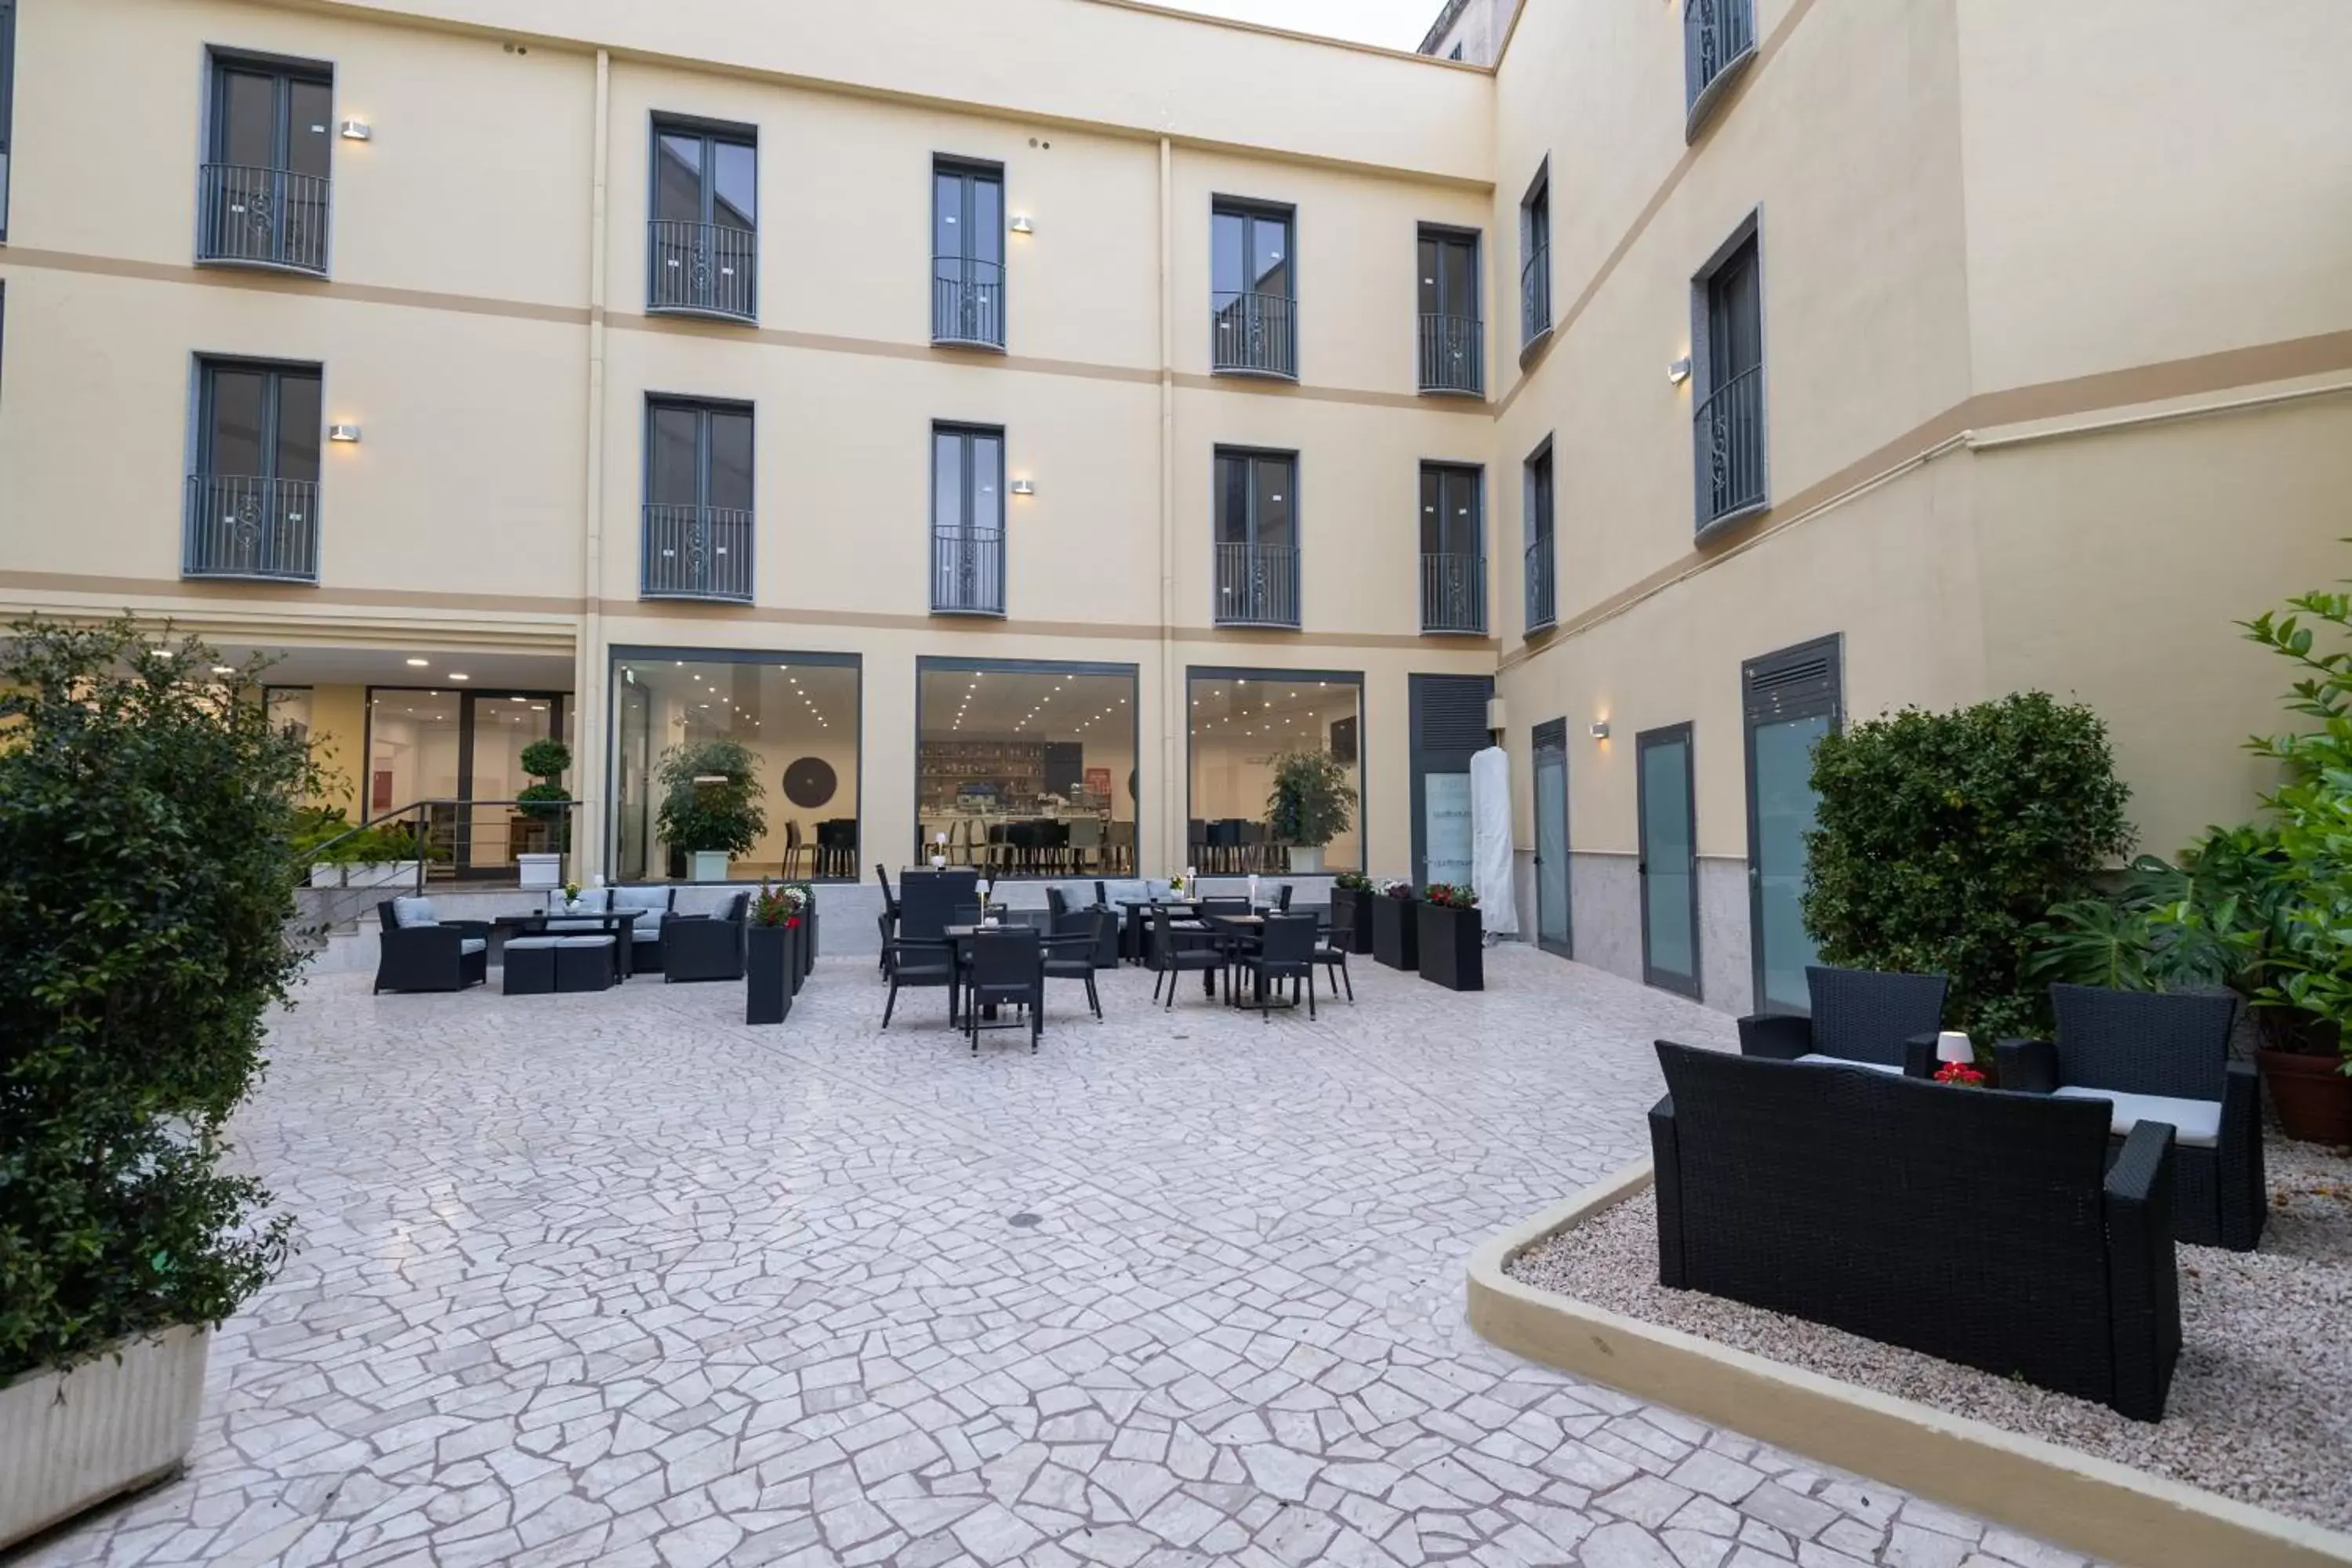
point(1133, 930)
point(1237, 929)
point(620, 924)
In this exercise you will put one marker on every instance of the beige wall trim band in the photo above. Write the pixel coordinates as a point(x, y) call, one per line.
point(298, 597)
point(277, 283)
point(732, 615)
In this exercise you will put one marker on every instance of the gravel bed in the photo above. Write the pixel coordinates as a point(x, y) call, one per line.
point(2259, 1409)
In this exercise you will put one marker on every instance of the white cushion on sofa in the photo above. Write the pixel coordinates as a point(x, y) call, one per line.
point(1818, 1060)
point(2195, 1122)
point(1131, 889)
point(655, 898)
point(413, 912)
point(471, 944)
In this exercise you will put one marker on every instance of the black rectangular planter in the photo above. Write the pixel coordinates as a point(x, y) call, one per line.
point(1351, 911)
point(1396, 934)
point(1452, 950)
point(806, 943)
point(773, 961)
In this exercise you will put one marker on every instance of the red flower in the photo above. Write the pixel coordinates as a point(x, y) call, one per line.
point(1959, 1074)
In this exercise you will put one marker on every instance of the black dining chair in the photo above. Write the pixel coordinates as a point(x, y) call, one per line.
point(1007, 969)
point(1071, 952)
point(1286, 951)
point(1174, 953)
point(1332, 942)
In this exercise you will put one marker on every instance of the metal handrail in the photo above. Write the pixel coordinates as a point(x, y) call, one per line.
point(967, 301)
point(1543, 601)
point(251, 526)
point(968, 571)
point(1453, 354)
point(702, 270)
point(696, 553)
point(1727, 435)
point(1535, 295)
point(248, 216)
point(1253, 334)
point(1716, 34)
point(1257, 585)
point(420, 829)
point(1453, 591)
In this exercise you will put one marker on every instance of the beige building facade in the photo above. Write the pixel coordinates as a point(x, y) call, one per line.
point(856, 385)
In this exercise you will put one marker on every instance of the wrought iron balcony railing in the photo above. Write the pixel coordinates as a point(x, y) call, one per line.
point(1253, 334)
point(702, 270)
point(1454, 594)
point(697, 552)
point(1717, 36)
point(1535, 295)
point(1257, 585)
point(1543, 598)
point(967, 303)
point(241, 526)
point(1452, 354)
point(968, 571)
point(1728, 434)
point(261, 217)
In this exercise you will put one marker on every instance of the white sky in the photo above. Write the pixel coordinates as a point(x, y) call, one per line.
point(1399, 24)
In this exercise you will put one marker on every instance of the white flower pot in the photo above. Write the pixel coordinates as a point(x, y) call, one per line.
point(541, 871)
point(365, 874)
point(707, 864)
point(1307, 859)
point(71, 1440)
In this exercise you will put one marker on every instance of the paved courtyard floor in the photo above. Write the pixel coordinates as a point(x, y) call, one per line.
point(616, 1280)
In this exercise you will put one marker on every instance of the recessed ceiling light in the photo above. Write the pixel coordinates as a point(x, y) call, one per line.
point(418, 663)
point(224, 669)
point(459, 675)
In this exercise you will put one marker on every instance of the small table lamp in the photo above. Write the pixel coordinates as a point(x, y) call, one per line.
point(1951, 1045)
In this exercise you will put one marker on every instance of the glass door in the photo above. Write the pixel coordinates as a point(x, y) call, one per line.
point(1552, 928)
point(631, 808)
point(496, 832)
point(1669, 863)
point(1791, 699)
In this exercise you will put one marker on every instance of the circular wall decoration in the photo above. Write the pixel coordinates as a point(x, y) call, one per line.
point(809, 783)
point(1130, 784)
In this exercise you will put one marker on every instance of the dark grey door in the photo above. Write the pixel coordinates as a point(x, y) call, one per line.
point(1791, 698)
point(1553, 930)
point(1448, 718)
point(1669, 863)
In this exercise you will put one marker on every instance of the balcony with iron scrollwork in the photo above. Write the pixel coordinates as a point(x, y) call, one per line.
point(1727, 433)
point(706, 270)
point(967, 304)
point(1257, 585)
point(1718, 41)
point(1454, 355)
point(697, 552)
point(250, 527)
point(1543, 598)
point(270, 219)
point(1535, 297)
point(1454, 594)
point(1253, 334)
point(968, 571)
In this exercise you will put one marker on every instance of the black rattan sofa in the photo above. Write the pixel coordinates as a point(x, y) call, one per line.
point(1981, 1226)
point(705, 947)
point(1865, 1016)
point(420, 953)
point(2161, 1057)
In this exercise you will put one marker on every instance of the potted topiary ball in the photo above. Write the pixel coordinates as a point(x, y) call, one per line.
point(545, 802)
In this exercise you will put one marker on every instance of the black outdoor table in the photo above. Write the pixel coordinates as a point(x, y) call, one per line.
point(620, 924)
point(1132, 927)
point(1236, 930)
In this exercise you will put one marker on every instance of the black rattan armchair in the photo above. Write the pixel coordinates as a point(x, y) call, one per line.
point(1865, 1018)
point(705, 947)
point(1981, 1226)
point(2161, 1057)
point(423, 953)
point(887, 921)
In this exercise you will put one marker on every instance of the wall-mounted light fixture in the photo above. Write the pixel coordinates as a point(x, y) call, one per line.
point(354, 130)
point(342, 431)
point(1024, 487)
point(1679, 371)
point(1599, 731)
point(1021, 223)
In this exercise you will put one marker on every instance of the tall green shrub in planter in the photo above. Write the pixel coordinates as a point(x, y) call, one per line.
point(1942, 839)
point(147, 867)
point(711, 801)
point(1310, 805)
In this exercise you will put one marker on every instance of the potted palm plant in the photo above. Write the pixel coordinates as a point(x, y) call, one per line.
point(772, 958)
point(1396, 932)
point(1352, 911)
point(1452, 937)
point(711, 803)
point(545, 801)
point(1310, 805)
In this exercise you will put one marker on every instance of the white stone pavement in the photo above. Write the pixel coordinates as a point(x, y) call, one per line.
point(616, 1280)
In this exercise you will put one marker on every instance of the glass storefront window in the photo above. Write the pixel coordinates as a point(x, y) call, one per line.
point(1242, 720)
point(797, 716)
point(457, 755)
point(1028, 770)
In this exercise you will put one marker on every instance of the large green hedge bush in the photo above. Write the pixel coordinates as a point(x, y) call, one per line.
point(147, 869)
point(1942, 839)
point(710, 797)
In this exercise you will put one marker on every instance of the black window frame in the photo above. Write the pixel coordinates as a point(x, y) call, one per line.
point(1539, 504)
point(1535, 263)
point(1726, 30)
point(966, 530)
point(1252, 529)
point(1435, 586)
point(930, 664)
point(746, 542)
point(1281, 366)
point(968, 311)
point(706, 296)
point(1446, 334)
point(8, 105)
point(1359, 761)
point(276, 373)
point(207, 484)
point(1716, 364)
point(262, 199)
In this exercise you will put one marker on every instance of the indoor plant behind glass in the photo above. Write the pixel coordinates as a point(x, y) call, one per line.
point(1310, 805)
point(1452, 937)
point(711, 803)
point(539, 855)
point(771, 957)
point(1396, 928)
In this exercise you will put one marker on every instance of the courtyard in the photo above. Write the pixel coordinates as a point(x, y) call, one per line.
point(614, 1278)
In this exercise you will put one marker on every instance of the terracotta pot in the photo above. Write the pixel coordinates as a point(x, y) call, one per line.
point(2312, 1096)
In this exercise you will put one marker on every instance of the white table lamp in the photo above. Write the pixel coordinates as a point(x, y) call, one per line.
point(1951, 1045)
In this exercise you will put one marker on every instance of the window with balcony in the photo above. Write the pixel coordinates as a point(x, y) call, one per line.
point(253, 498)
point(1718, 41)
point(8, 100)
point(1252, 305)
point(1542, 586)
point(1453, 339)
point(1728, 424)
point(1453, 549)
point(698, 522)
point(1258, 539)
point(967, 255)
point(702, 241)
point(967, 521)
point(262, 192)
point(1535, 261)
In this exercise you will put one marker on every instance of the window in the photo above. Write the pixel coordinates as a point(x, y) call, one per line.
point(261, 198)
point(796, 715)
point(1542, 585)
point(1026, 769)
point(1257, 538)
point(1455, 54)
point(698, 524)
point(1667, 810)
point(1252, 308)
point(1452, 339)
point(8, 100)
point(1242, 722)
point(458, 754)
point(1453, 549)
point(967, 521)
point(1535, 259)
point(1728, 424)
point(1718, 40)
point(1791, 700)
point(253, 496)
point(702, 241)
point(968, 254)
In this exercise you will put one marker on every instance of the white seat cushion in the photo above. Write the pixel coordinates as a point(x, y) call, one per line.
point(516, 942)
point(2195, 1122)
point(471, 944)
point(413, 912)
point(1818, 1060)
point(584, 942)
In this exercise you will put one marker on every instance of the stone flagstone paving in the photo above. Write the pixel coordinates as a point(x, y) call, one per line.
point(616, 1280)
